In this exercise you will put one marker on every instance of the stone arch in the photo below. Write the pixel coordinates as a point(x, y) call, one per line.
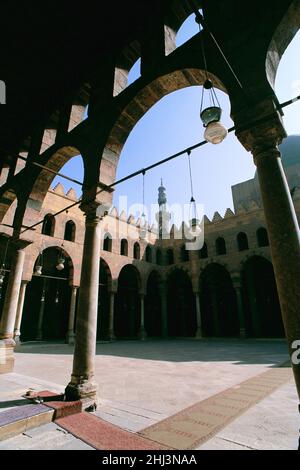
point(6, 201)
point(47, 300)
point(262, 308)
point(127, 304)
point(282, 37)
point(107, 242)
point(218, 302)
point(181, 305)
point(124, 62)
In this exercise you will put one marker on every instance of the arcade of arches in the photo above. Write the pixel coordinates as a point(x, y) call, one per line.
point(226, 290)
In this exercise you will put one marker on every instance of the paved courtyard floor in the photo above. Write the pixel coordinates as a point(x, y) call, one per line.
point(142, 383)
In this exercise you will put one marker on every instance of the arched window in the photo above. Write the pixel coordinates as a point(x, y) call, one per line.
point(203, 253)
point(124, 247)
point(107, 242)
point(184, 254)
point(70, 230)
point(48, 225)
point(220, 246)
point(242, 241)
point(159, 257)
point(170, 256)
point(262, 237)
point(148, 254)
point(136, 251)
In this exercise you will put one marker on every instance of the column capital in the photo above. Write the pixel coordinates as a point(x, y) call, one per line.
point(260, 127)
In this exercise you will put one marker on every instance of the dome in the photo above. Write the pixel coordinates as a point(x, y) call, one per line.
point(290, 150)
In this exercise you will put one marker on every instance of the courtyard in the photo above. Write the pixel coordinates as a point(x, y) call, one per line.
point(142, 383)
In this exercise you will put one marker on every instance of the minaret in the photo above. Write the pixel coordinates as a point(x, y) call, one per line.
point(163, 217)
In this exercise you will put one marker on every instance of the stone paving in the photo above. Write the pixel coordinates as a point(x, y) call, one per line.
point(141, 383)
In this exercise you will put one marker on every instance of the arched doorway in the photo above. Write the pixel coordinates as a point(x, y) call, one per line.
point(218, 302)
point(127, 314)
point(103, 301)
point(47, 300)
point(262, 310)
point(153, 319)
point(181, 305)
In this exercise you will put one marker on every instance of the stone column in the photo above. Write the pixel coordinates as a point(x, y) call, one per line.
point(70, 339)
point(142, 331)
point(111, 332)
point(17, 331)
point(237, 285)
point(82, 385)
point(39, 335)
point(282, 225)
point(198, 334)
point(164, 312)
point(8, 319)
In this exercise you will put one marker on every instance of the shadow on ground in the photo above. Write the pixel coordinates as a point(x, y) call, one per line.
point(249, 351)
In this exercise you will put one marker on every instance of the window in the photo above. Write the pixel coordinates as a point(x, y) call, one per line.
point(148, 254)
point(107, 242)
point(70, 230)
point(220, 246)
point(159, 257)
point(48, 225)
point(124, 247)
point(136, 251)
point(262, 237)
point(203, 253)
point(242, 241)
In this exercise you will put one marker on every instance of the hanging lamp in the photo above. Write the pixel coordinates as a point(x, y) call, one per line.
point(61, 260)
point(39, 264)
point(2, 270)
point(210, 116)
point(194, 220)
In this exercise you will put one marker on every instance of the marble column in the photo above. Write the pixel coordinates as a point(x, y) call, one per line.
point(18, 321)
point(284, 236)
point(142, 331)
point(82, 385)
point(198, 334)
point(111, 332)
point(10, 306)
point(262, 140)
point(39, 335)
point(70, 339)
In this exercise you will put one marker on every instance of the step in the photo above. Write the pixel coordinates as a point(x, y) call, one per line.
point(21, 418)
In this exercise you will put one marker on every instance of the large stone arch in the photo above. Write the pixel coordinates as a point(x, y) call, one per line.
point(282, 37)
point(127, 312)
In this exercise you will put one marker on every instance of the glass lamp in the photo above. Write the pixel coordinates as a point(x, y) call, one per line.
point(38, 270)
point(61, 264)
point(215, 132)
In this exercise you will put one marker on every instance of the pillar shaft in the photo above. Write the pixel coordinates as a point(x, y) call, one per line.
point(111, 333)
point(12, 296)
point(142, 332)
point(198, 316)
point(239, 300)
point(284, 239)
point(39, 335)
point(82, 385)
point(164, 313)
point(71, 325)
point(18, 321)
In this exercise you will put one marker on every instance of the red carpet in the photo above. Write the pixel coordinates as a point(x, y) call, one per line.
point(104, 436)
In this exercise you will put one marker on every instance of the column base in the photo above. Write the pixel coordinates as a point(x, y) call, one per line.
point(142, 334)
point(198, 334)
point(17, 338)
point(70, 338)
point(84, 390)
point(111, 336)
point(7, 358)
point(242, 334)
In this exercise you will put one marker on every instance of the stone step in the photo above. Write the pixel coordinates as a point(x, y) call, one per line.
point(21, 418)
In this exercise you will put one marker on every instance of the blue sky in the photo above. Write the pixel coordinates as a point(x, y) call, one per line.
point(173, 124)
